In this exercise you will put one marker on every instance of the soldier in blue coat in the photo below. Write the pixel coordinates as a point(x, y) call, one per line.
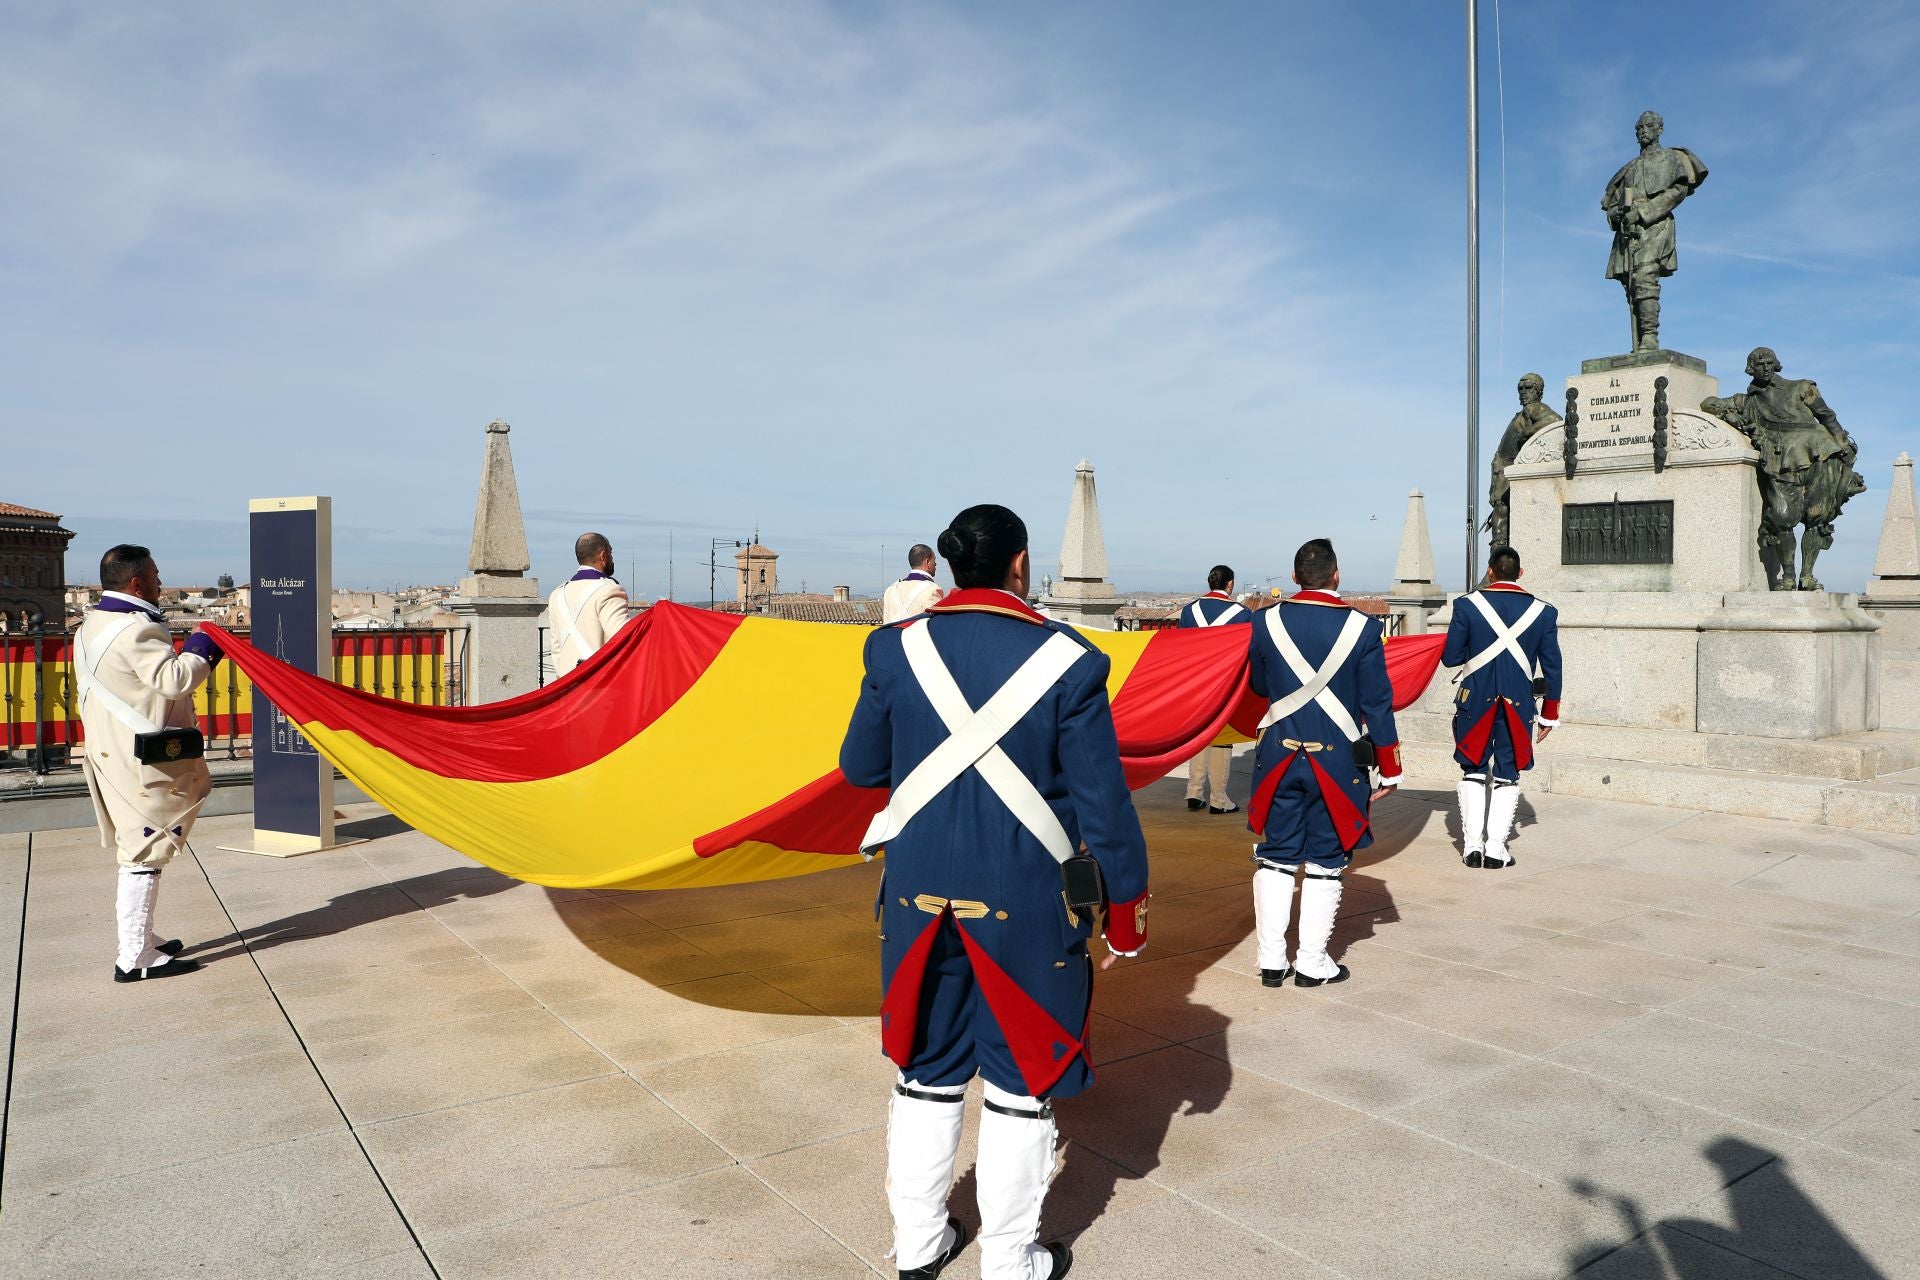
point(1207, 773)
point(1507, 645)
point(991, 726)
point(1323, 665)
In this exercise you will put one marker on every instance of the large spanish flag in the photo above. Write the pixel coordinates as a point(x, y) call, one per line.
point(700, 748)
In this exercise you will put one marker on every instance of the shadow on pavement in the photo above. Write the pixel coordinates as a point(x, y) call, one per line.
point(369, 905)
point(1775, 1225)
point(373, 828)
point(1123, 1126)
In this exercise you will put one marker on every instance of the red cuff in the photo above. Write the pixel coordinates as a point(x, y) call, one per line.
point(1550, 710)
point(1387, 760)
point(1127, 924)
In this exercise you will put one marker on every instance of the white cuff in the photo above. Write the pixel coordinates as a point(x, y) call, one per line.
point(1125, 955)
point(1394, 781)
point(1543, 720)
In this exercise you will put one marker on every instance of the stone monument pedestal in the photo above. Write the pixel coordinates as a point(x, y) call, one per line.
point(1687, 682)
point(1621, 523)
point(502, 617)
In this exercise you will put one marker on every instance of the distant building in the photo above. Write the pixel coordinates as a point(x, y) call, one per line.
point(353, 604)
point(758, 571)
point(800, 606)
point(33, 567)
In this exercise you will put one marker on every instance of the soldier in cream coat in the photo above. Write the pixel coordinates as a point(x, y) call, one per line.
point(584, 611)
point(914, 594)
point(130, 680)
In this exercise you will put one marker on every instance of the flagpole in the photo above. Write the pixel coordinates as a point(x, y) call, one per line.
point(1473, 293)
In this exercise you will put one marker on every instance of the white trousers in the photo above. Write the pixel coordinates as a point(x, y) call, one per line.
point(1319, 907)
point(1472, 792)
point(923, 1134)
point(1501, 808)
point(1015, 1166)
point(1273, 886)
point(1272, 913)
point(1207, 776)
point(138, 890)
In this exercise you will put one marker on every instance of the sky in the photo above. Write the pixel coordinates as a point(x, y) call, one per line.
point(833, 272)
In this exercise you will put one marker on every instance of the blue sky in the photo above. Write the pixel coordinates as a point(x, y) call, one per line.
point(837, 271)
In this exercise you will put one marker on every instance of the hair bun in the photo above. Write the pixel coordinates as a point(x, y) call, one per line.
point(957, 546)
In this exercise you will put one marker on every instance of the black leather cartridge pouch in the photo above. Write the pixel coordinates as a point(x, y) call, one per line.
point(1081, 881)
point(1363, 756)
point(169, 746)
point(1539, 686)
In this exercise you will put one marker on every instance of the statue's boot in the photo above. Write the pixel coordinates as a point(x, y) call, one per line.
point(1646, 323)
point(1787, 551)
point(1809, 552)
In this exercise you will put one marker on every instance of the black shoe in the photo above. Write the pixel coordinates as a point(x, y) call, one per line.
point(939, 1264)
point(167, 970)
point(1491, 864)
point(1474, 860)
point(1193, 805)
point(1062, 1261)
point(1302, 980)
point(171, 947)
point(1274, 977)
point(1232, 808)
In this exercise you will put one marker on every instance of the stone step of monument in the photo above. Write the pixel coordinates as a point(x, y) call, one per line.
point(1890, 805)
point(1859, 757)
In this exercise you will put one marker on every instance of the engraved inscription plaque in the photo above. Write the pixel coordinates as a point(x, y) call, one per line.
point(1616, 532)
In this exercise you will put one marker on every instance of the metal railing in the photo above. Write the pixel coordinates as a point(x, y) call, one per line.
point(40, 718)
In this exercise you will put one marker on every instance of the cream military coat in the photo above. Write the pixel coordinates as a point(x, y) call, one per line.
point(582, 614)
point(909, 597)
point(145, 811)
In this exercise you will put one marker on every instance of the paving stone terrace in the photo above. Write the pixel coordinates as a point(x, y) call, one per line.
point(1665, 1045)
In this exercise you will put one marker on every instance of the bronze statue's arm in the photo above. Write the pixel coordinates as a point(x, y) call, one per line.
point(1827, 417)
point(1729, 409)
point(1613, 200)
point(1654, 208)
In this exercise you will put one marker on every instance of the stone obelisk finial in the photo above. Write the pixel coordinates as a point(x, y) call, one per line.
point(497, 560)
point(1896, 566)
point(1415, 565)
point(1415, 593)
point(1082, 596)
point(1083, 552)
point(499, 604)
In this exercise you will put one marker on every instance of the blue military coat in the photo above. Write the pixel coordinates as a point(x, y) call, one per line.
point(1493, 713)
point(1310, 798)
point(1211, 607)
point(982, 966)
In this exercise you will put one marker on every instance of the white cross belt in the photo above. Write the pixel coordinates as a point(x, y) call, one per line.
point(1314, 681)
point(974, 741)
point(1505, 639)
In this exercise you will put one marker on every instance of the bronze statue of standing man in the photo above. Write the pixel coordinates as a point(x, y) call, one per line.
point(1639, 204)
point(1533, 418)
